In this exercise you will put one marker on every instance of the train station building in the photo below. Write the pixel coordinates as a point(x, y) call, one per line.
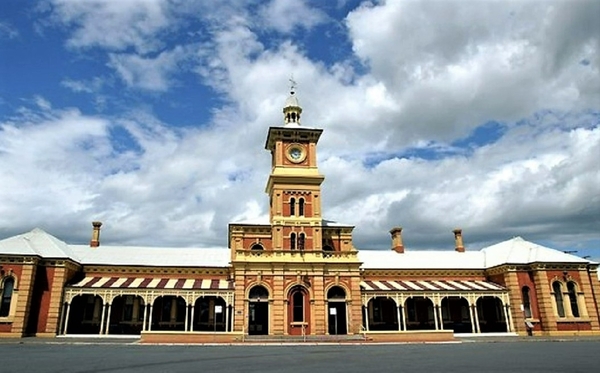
point(295, 274)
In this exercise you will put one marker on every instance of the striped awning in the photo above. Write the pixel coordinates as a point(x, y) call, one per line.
point(153, 283)
point(430, 285)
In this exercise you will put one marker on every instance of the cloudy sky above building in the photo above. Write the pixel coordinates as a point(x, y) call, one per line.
point(151, 116)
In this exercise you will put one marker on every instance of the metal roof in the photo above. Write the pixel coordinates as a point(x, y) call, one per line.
point(153, 283)
point(430, 285)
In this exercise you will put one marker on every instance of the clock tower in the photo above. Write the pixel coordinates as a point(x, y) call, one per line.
point(297, 273)
point(294, 185)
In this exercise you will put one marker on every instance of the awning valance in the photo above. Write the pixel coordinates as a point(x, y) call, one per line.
point(153, 283)
point(430, 285)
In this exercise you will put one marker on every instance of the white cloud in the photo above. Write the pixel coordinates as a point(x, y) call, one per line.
point(287, 15)
point(7, 31)
point(152, 74)
point(115, 25)
point(435, 72)
point(93, 85)
point(454, 66)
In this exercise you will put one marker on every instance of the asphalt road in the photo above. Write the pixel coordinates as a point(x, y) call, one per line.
point(563, 357)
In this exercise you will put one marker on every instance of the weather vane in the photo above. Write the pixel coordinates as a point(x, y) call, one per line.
point(293, 84)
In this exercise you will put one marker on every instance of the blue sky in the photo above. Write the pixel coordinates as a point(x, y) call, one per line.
point(151, 115)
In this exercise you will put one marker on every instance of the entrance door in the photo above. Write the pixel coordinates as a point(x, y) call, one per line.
point(337, 318)
point(258, 323)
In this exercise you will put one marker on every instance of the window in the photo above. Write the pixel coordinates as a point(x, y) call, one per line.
point(257, 246)
point(298, 311)
point(301, 207)
point(558, 297)
point(292, 206)
point(336, 292)
point(7, 291)
point(526, 302)
point(301, 241)
point(293, 241)
point(258, 292)
point(572, 291)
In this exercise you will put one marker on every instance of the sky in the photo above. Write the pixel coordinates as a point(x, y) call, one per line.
point(151, 116)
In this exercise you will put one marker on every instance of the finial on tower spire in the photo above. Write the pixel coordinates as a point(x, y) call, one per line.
point(292, 109)
point(293, 85)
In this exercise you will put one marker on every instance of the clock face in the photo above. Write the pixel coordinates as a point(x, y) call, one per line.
point(296, 153)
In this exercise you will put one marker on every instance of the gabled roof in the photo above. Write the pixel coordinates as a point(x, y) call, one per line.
point(152, 256)
point(519, 251)
point(513, 251)
point(331, 223)
point(39, 243)
point(389, 259)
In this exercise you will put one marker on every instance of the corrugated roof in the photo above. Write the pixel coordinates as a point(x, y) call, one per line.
point(95, 282)
point(513, 251)
point(519, 251)
point(389, 259)
point(430, 285)
point(153, 256)
point(37, 242)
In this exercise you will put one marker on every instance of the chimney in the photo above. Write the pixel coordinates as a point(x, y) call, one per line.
point(397, 245)
point(95, 242)
point(458, 241)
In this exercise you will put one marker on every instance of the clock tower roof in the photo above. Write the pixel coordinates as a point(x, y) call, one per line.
point(292, 108)
point(292, 100)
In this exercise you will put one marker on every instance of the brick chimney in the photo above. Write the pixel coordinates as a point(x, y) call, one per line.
point(458, 241)
point(95, 242)
point(397, 245)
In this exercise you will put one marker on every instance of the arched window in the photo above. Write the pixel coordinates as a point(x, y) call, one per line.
point(298, 310)
point(258, 292)
point(301, 241)
point(292, 206)
point(526, 301)
point(7, 291)
point(572, 291)
point(257, 246)
point(293, 241)
point(301, 207)
point(336, 292)
point(558, 297)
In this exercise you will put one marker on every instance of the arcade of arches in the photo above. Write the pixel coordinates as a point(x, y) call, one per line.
point(461, 314)
point(105, 313)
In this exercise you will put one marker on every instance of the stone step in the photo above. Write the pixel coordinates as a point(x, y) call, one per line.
point(299, 338)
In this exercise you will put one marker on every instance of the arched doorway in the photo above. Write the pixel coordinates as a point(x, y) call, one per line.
point(336, 304)
point(383, 314)
point(258, 311)
point(491, 315)
point(419, 314)
point(298, 311)
point(456, 315)
point(127, 315)
point(85, 314)
point(168, 313)
point(209, 314)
